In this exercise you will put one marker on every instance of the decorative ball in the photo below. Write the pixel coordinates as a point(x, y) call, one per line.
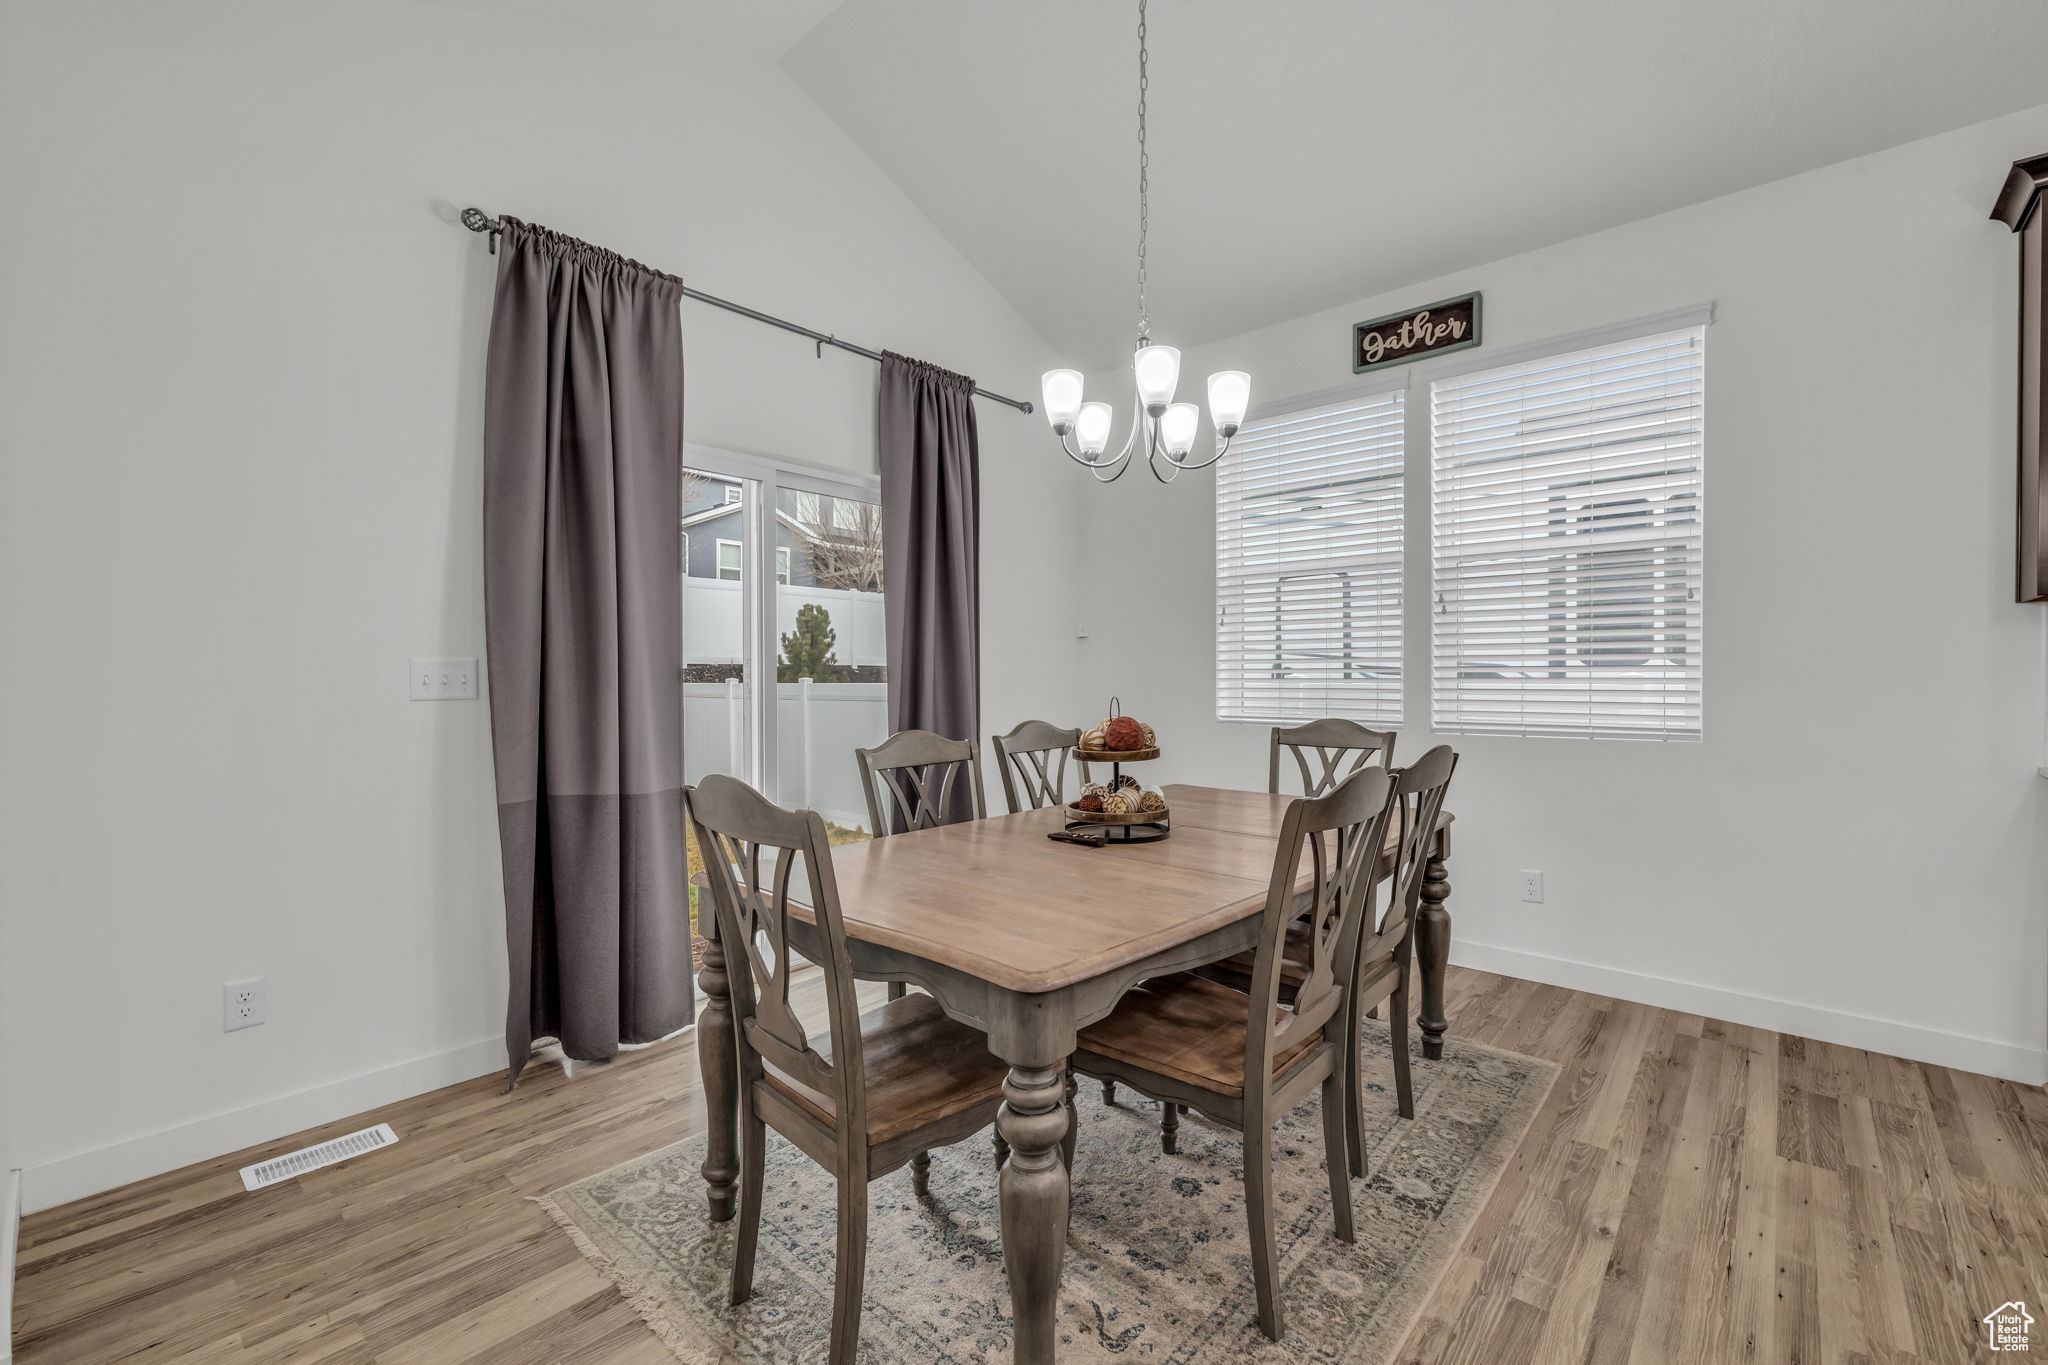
point(1151, 801)
point(1120, 803)
point(1091, 800)
point(1093, 740)
point(1127, 783)
point(1122, 733)
point(1150, 738)
point(1094, 789)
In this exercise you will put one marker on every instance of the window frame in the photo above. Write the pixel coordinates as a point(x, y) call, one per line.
point(1571, 631)
point(1358, 392)
point(1419, 557)
point(739, 555)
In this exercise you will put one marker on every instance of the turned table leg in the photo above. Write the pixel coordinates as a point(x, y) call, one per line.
point(1035, 1192)
point(717, 1057)
point(1433, 943)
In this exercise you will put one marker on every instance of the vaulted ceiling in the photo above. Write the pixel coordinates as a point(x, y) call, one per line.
point(1306, 152)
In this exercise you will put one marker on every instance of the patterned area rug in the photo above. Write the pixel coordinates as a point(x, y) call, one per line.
point(1157, 1267)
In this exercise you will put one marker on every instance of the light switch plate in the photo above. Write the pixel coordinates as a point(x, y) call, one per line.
point(443, 679)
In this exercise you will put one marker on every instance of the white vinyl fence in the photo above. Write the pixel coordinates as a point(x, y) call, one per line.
point(817, 726)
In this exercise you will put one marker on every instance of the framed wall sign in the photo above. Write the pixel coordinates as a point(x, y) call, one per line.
point(1447, 325)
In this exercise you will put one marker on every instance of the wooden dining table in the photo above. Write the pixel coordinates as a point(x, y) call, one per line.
point(1030, 940)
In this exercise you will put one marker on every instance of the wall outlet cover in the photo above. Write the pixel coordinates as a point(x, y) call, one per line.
point(1532, 886)
point(241, 1004)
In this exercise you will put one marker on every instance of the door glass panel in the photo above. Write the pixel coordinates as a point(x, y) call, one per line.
point(716, 603)
point(831, 658)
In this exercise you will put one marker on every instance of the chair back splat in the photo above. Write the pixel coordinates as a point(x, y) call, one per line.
point(914, 773)
point(1032, 761)
point(751, 848)
point(1339, 837)
point(1339, 748)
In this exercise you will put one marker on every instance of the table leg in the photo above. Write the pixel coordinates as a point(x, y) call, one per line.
point(1433, 943)
point(719, 1061)
point(1035, 1192)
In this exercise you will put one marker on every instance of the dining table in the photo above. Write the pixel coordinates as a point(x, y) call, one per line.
point(1029, 940)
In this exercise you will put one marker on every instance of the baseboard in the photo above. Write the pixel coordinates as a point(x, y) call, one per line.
point(104, 1168)
point(10, 1228)
point(2028, 1066)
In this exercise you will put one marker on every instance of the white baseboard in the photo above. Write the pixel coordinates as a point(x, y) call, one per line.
point(10, 1227)
point(104, 1168)
point(2028, 1066)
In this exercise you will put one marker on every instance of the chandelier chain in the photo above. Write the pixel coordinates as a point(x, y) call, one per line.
point(1144, 178)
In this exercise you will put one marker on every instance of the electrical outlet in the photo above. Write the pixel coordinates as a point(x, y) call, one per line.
point(1532, 886)
point(241, 1004)
point(1081, 633)
point(442, 679)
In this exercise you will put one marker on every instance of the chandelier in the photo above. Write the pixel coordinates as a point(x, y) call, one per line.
point(1164, 428)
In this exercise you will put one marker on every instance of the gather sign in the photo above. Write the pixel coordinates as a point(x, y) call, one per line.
point(1448, 325)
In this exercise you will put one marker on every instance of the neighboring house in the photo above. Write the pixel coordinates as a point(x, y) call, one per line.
point(713, 530)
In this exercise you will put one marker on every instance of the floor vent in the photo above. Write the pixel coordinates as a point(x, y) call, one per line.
point(313, 1158)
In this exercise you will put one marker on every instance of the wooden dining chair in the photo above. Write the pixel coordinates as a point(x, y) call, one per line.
point(880, 1090)
point(1386, 949)
point(1340, 747)
point(1033, 759)
point(1247, 1059)
point(908, 780)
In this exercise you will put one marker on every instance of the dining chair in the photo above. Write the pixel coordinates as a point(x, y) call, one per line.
point(917, 770)
point(1033, 759)
point(1341, 747)
point(1247, 1059)
point(880, 1090)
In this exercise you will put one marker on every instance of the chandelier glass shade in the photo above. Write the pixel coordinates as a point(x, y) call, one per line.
point(1165, 429)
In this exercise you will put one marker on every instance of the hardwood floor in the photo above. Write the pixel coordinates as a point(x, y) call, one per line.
point(1691, 1191)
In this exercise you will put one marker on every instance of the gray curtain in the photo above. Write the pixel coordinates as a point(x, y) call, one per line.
point(931, 528)
point(583, 443)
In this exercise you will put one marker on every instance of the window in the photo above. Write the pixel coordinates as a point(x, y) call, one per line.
point(1567, 494)
point(804, 507)
point(782, 564)
point(845, 515)
point(729, 559)
point(732, 492)
point(1308, 565)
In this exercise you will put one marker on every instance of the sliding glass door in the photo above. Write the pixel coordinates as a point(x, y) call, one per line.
point(785, 667)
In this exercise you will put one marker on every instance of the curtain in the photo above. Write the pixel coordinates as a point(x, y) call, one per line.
point(583, 443)
point(931, 527)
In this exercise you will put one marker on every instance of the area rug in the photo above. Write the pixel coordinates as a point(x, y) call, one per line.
point(1157, 1264)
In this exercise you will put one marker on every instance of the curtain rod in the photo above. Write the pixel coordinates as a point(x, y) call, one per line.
point(476, 220)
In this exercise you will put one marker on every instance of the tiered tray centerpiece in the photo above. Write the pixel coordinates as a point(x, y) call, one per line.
point(1121, 810)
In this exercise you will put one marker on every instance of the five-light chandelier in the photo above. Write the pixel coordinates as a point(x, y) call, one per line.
point(1165, 428)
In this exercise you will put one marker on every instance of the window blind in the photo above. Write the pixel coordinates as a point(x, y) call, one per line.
point(1308, 566)
point(1567, 501)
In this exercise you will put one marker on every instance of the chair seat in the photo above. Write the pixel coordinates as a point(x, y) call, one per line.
point(921, 1067)
point(1186, 1029)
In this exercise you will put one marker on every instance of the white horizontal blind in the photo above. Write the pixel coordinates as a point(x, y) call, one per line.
point(1567, 495)
point(1308, 566)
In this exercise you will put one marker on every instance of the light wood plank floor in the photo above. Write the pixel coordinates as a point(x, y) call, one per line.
point(1692, 1191)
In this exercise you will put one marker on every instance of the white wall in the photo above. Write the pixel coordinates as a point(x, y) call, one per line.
point(243, 344)
point(1856, 850)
